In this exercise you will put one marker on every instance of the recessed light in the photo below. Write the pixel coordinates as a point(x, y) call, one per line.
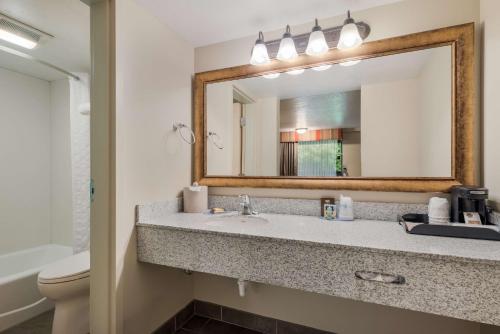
point(322, 67)
point(296, 72)
point(271, 75)
point(301, 131)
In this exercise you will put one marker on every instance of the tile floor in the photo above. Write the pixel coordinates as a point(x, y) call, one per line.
point(201, 325)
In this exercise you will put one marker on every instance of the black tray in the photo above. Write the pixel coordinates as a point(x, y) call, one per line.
point(419, 224)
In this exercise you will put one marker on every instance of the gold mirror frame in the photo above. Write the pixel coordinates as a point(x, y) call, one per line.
point(461, 40)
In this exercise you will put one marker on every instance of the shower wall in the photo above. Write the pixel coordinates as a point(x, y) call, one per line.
point(44, 162)
point(24, 161)
point(80, 157)
point(61, 214)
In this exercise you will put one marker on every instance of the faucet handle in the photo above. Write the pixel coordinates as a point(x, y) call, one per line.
point(245, 198)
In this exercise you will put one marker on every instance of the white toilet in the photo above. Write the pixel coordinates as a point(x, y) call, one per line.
point(67, 283)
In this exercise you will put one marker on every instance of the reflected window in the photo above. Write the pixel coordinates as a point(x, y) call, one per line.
point(320, 158)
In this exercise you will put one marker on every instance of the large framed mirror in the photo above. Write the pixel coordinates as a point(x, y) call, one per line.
point(393, 115)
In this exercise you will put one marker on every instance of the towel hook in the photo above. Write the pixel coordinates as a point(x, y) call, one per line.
point(178, 126)
point(216, 140)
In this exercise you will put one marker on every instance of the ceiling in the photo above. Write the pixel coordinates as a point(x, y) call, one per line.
point(334, 110)
point(67, 20)
point(204, 22)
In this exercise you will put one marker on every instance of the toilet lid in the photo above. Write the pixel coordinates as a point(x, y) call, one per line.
point(68, 269)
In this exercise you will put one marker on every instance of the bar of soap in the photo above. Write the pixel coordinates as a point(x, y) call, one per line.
point(217, 210)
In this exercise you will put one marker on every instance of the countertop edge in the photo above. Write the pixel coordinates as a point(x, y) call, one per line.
point(322, 244)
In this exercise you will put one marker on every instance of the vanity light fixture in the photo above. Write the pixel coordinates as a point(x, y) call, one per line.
point(349, 35)
point(296, 72)
point(301, 131)
point(271, 75)
point(322, 67)
point(317, 44)
point(350, 63)
point(287, 50)
point(259, 52)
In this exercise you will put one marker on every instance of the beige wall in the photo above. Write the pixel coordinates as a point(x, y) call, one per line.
point(351, 152)
point(435, 114)
point(389, 137)
point(220, 119)
point(153, 77)
point(263, 131)
point(490, 12)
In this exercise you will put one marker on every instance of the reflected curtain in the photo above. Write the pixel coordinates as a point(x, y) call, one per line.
point(320, 158)
point(288, 159)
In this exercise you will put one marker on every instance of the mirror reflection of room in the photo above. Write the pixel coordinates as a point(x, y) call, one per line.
point(389, 116)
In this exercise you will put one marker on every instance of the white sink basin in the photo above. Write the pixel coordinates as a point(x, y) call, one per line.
point(235, 218)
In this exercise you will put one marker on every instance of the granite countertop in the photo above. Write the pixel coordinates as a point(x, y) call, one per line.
point(368, 235)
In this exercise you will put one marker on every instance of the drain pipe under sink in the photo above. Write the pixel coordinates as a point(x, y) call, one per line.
point(242, 286)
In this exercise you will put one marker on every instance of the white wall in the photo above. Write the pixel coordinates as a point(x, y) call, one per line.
point(490, 18)
point(61, 215)
point(389, 135)
point(24, 161)
point(153, 89)
point(435, 98)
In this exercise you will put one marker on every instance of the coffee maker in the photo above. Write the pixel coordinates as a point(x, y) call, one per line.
point(469, 199)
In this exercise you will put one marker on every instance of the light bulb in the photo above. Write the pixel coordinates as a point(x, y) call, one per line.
point(296, 72)
point(271, 75)
point(317, 44)
point(349, 35)
point(350, 63)
point(322, 68)
point(259, 52)
point(287, 49)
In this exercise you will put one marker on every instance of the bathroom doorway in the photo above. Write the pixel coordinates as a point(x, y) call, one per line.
point(45, 110)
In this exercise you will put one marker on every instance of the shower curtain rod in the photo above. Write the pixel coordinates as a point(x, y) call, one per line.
point(29, 57)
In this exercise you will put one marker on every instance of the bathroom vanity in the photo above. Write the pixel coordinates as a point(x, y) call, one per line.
point(445, 276)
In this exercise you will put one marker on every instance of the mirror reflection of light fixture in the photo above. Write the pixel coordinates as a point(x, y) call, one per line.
point(350, 63)
point(349, 35)
point(317, 44)
point(296, 72)
point(271, 75)
point(287, 50)
point(301, 131)
point(259, 52)
point(322, 67)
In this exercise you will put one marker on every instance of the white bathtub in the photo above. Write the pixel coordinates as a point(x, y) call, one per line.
point(18, 282)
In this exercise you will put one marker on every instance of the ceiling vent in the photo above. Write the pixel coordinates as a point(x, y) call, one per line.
point(19, 33)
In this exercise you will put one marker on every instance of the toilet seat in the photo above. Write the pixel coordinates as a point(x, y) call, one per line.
point(68, 269)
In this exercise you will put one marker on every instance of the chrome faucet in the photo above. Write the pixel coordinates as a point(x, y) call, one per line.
point(246, 206)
